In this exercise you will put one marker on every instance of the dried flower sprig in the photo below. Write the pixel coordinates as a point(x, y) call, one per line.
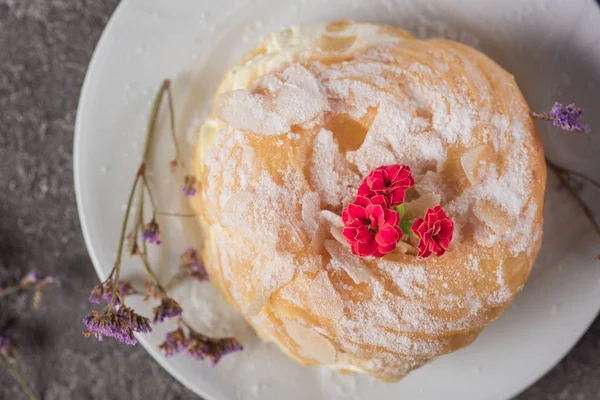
point(32, 280)
point(8, 347)
point(563, 175)
point(11, 366)
point(151, 232)
point(191, 266)
point(189, 186)
point(104, 291)
point(568, 119)
point(118, 320)
point(197, 345)
point(564, 117)
point(168, 308)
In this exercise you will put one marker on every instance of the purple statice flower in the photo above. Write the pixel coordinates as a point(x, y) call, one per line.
point(111, 324)
point(119, 324)
point(567, 118)
point(105, 292)
point(151, 232)
point(202, 347)
point(189, 186)
point(168, 308)
point(191, 265)
point(98, 294)
point(35, 278)
point(137, 322)
point(564, 117)
point(7, 345)
point(175, 342)
point(31, 278)
point(152, 291)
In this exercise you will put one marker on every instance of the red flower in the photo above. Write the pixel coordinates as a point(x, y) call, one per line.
point(390, 181)
point(434, 231)
point(371, 227)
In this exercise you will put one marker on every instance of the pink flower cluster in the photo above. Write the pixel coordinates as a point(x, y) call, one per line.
point(372, 221)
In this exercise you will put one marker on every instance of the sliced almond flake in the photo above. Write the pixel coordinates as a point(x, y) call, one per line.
point(337, 234)
point(334, 44)
point(319, 237)
point(230, 212)
point(332, 218)
point(268, 278)
point(341, 257)
point(250, 112)
point(314, 345)
point(418, 207)
point(299, 99)
point(403, 247)
point(310, 212)
point(257, 302)
point(494, 217)
point(473, 160)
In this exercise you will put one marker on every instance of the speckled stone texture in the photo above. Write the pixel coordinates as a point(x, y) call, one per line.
point(45, 46)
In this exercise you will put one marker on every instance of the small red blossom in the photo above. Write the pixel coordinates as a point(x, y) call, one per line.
point(435, 231)
point(390, 181)
point(371, 227)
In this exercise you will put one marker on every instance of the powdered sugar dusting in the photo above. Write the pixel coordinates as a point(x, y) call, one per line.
point(410, 280)
point(329, 175)
point(282, 168)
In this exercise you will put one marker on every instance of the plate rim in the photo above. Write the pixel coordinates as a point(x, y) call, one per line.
point(523, 384)
point(81, 104)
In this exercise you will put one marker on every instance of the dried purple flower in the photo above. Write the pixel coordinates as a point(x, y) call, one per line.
point(7, 345)
point(198, 345)
point(202, 347)
point(175, 342)
point(168, 308)
point(191, 265)
point(564, 117)
point(189, 186)
point(137, 322)
point(173, 166)
point(30, 278)
point(118, 324)
point(97, 294)
point(110, 323)
point(34, 278)
point(567, 117)
point(105, 292)
point(152, 291)
point(151, 232)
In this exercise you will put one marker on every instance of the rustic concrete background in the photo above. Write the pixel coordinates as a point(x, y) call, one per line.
point(45, 46)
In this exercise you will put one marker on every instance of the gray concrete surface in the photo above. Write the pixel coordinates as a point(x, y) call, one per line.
point(45, 46)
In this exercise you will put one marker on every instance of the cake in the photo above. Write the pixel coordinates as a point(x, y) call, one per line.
point(298, 127)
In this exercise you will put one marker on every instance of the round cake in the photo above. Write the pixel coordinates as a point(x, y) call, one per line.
point(299, 125)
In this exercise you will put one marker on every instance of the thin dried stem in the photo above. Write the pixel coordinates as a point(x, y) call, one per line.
point(18, 376)
point(178, 158)
point(542, 116)
point(170, 214)
point(137, 223)
point(15, 288)
point(122, 237)
point(151, 273)
point(9, 290)
point(140, 174)
point(176, 280)
point(150, 195)
point(562, 175)
point(559, 169)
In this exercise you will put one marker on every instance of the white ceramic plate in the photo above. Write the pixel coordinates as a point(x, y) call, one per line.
point(554, 52)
